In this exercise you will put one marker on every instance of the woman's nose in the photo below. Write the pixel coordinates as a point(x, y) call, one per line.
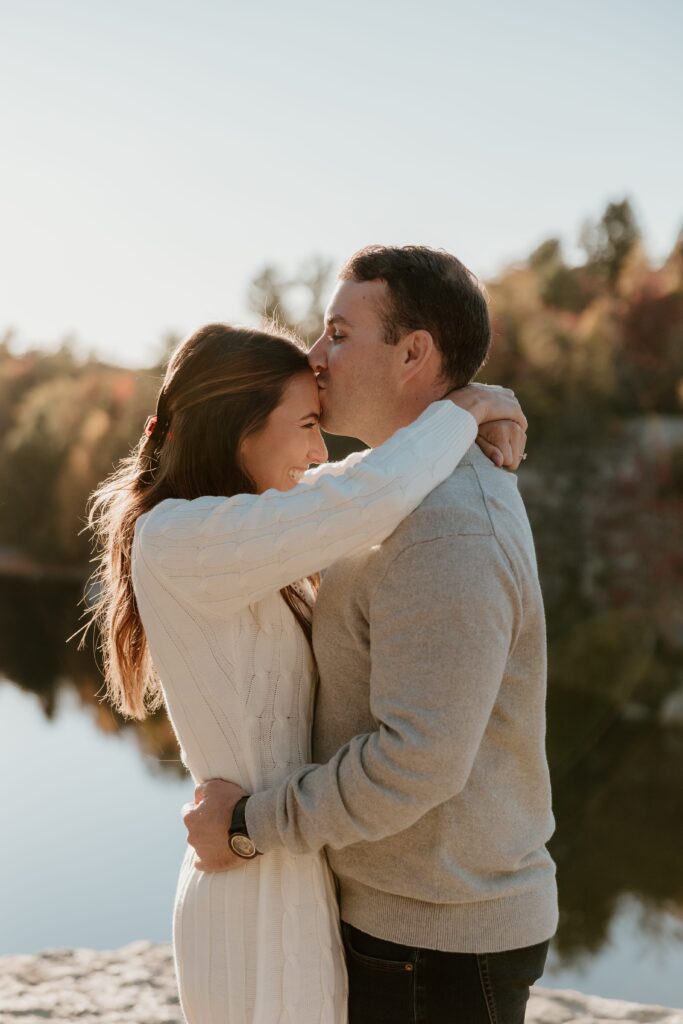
point(318, 450)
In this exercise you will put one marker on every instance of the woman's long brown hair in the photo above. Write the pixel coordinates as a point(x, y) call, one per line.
point(221, 384)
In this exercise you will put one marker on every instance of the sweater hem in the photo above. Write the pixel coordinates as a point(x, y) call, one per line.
point(487, 926)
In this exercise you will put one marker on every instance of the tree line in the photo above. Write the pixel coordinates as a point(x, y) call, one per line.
point(584, 346)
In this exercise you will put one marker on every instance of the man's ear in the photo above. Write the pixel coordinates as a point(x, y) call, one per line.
point(418, 352)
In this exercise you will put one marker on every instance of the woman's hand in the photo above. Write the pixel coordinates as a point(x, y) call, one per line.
point(502, 423)
point(488, 402)
point(503, 441)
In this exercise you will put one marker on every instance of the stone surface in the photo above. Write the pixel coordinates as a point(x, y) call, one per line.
point(136, 985)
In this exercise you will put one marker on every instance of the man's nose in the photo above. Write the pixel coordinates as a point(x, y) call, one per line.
point(317, 355)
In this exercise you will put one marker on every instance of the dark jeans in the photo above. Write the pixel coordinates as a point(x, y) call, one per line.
point(393, 984)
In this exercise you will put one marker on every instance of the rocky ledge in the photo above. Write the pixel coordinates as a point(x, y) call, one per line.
point(135, 985)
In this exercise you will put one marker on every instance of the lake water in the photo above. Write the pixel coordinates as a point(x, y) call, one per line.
point(93, 842)
point(93, 838)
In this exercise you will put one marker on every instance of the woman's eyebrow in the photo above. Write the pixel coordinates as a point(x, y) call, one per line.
point(310, 415)
point(338, 319)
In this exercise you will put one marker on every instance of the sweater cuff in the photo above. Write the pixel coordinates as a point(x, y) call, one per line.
point(260, 815)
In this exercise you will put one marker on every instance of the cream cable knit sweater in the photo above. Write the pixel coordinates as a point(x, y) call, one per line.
point(260, 945)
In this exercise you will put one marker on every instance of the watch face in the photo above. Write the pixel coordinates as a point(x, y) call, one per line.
point(243, 846)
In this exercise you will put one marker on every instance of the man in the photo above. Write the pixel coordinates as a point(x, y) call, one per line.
point(431, 792)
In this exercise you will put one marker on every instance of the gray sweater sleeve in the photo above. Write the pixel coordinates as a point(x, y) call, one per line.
point(442, 623)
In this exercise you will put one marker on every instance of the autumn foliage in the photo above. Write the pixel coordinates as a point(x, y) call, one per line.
point(582, 345)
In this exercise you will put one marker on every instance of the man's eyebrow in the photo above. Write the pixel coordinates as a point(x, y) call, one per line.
point(310, 415)
point(337, 319)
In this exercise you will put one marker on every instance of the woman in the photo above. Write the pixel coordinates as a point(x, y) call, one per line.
point(211, 535)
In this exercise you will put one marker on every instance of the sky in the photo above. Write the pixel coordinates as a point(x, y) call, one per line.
point(156, 154)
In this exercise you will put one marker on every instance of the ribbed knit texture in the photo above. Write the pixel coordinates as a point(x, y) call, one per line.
point(260, 944)
point(432, 791)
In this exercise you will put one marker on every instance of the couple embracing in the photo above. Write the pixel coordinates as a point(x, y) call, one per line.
point(367, 842)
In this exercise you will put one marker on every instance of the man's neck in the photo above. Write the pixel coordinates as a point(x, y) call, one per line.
point(401, 415)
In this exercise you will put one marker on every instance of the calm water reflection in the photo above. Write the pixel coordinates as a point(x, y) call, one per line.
point(615, 732)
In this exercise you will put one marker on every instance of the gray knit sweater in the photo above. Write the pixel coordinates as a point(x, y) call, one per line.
point(431, 792)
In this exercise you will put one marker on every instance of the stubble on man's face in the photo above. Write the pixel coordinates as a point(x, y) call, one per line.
point(352, 361)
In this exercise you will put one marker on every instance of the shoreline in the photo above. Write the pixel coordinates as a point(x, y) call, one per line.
point(14, 565)
point(136, 985)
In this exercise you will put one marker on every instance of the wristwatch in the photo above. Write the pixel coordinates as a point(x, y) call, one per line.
point(238, 836)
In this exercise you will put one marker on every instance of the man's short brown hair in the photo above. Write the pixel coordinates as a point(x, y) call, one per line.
point(433, 291)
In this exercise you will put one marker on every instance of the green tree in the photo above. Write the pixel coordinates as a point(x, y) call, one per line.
point(559, 285)
point(296, 301)
point(608, 243)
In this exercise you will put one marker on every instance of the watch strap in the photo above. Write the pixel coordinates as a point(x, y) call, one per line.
point(238, 834)
point(238, 823)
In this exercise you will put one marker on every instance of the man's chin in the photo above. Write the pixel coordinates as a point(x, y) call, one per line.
point(329, 428)
point(330, 423)
point(327, 421)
